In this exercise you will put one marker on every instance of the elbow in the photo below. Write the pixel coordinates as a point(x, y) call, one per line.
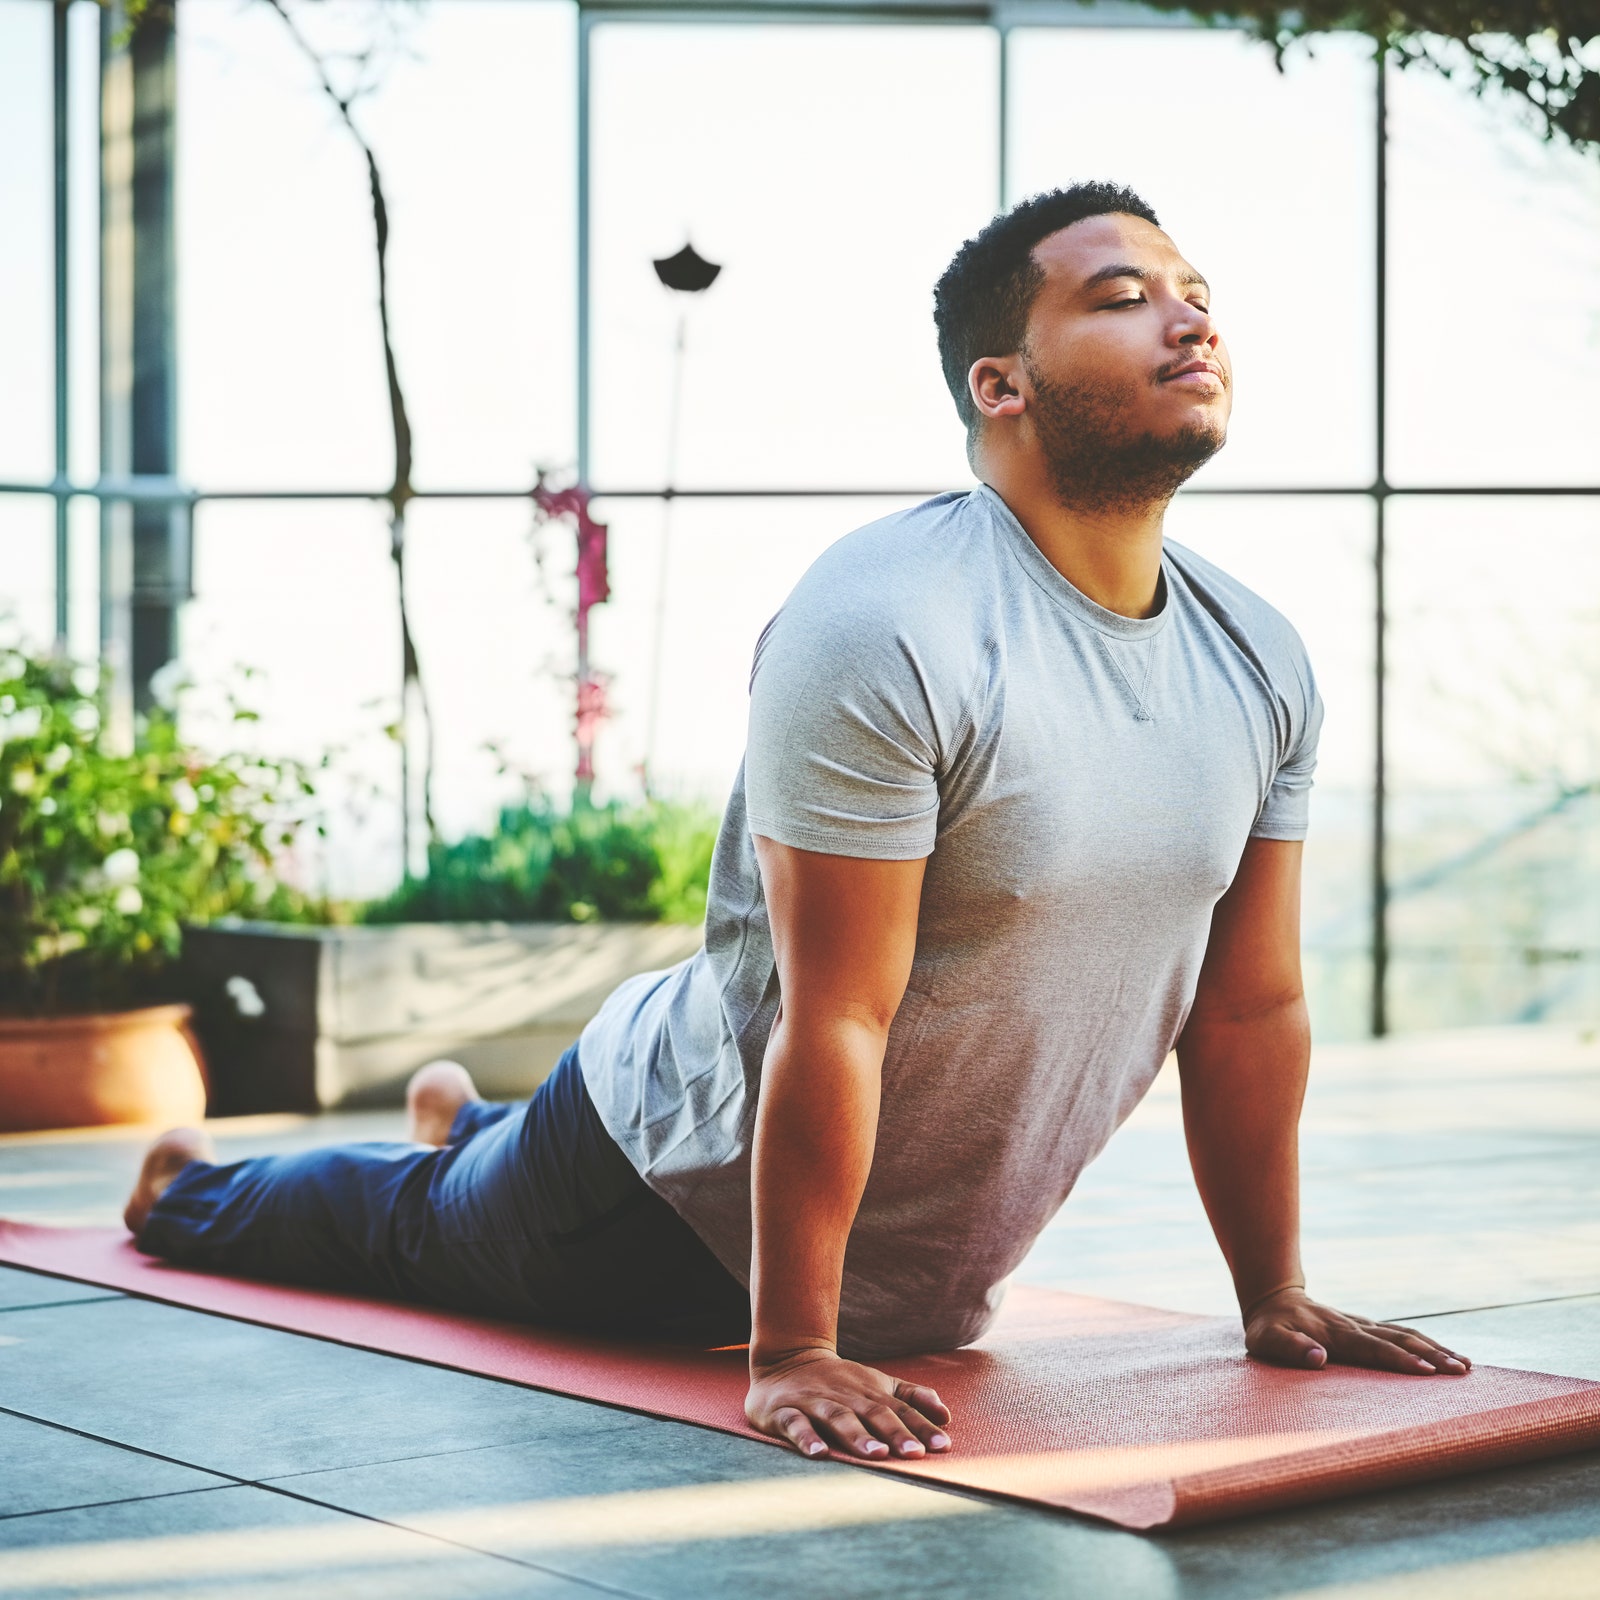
point(851, 1039)
point(1285, 1006)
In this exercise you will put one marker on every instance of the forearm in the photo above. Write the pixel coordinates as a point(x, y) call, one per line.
point(815, 1131)
point(1244, 1080)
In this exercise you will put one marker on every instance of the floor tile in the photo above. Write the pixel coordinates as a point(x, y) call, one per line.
point(1441, 1174)
point(246, 1544)
point(1391, 1241)
point(20, 1289)
point(1559, 1336)
point(49, 1469)
point(256, 1402)
point(712, 1521)
point(1400, 1535)
point(686, 1513)
point(1456, 1235)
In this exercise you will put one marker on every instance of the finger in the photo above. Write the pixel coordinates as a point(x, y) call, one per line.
point(848, 1431)
point(1420, 1345)
point(1432, 1344)
point(933, 1436)
point(886, 1422)
point(926, 1401)
point(796, 1428)
point(1359, 1349)
point(1289, 1347)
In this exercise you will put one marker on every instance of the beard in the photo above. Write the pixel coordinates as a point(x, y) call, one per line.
point(1095, 464)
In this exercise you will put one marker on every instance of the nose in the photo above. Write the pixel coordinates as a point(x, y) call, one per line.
point(1194, 327)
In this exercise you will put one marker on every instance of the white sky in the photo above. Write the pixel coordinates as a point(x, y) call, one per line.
point(832, 170)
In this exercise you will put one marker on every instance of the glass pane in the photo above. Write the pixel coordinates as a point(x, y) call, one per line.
point(472, 123)
point(729, 565)
point(1494, 284)
point(83, 577)
point(28, 569)
point(83, 241)
point(497, 650)
point(1494, 697)
point(1311, 557)
point(1274, 204)
point(302, 594)
point(494, 640)
point(27, 340)
point(832, 172)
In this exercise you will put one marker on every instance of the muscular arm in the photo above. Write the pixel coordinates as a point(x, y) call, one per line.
point(844, 931)
point(1243, 1061)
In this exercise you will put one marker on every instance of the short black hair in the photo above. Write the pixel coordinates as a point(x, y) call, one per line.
point(982, 300)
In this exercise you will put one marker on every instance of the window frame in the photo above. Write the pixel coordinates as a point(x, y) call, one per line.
point(1002, 16)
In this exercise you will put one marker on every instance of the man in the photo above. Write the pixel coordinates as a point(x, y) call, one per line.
point(1020, 811)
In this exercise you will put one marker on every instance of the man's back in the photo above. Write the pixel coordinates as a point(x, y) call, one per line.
point(1085, 783)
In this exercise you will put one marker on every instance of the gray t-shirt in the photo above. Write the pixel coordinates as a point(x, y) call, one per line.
point(1085, 783)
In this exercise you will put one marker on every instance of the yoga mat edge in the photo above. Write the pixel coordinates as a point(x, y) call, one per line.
point(1177, 1472)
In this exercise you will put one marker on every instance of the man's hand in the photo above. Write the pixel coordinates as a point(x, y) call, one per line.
point(813, 1397)
point(1289, 1329)
point(1243, 1058)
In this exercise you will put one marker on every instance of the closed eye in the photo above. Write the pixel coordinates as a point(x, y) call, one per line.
point(1139, 300)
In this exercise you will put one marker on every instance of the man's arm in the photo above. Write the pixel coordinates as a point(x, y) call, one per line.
point(844, 930)
point(1243, 1060)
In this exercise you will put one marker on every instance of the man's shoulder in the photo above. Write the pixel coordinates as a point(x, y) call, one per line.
point(1237, 607)
point(914, 550)
point(909, 596)
point(922, 574)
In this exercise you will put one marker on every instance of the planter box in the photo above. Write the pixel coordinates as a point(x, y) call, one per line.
point(301, 1019)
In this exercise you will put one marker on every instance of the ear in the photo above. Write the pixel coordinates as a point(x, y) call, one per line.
point(998, 386)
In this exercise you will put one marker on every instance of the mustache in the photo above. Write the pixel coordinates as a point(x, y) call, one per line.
point(1172, 368)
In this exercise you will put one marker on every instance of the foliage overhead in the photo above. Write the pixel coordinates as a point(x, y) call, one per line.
point(104, 855)
point(649, 863)
point(1547, 52)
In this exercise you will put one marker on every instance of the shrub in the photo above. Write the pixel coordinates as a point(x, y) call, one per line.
point(649, 863)
point(104, 855)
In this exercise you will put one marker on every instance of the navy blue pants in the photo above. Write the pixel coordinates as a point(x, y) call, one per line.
point(531, 1212)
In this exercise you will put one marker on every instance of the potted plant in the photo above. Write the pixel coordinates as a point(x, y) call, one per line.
point(104, 854)
point(497, 957)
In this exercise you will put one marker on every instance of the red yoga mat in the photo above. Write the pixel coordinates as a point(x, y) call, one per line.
point(1142, 1417)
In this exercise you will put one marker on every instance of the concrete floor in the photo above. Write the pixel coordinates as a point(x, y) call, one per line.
point(147, 1450)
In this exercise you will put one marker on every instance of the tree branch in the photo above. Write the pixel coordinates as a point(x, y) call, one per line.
point(1533, 49)
point(400, 492)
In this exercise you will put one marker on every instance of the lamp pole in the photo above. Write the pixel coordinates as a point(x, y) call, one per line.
point(684, 274)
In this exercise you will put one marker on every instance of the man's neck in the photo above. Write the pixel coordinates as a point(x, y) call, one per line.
point(1113, 555)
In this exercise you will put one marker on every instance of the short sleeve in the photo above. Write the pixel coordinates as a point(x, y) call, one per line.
point(1286, 812)
point(844, 740)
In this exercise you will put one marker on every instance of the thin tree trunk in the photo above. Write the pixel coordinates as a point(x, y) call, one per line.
point(412, 693)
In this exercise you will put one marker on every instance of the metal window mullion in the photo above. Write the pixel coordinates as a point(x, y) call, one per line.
point(1003, 32)
point(113, 125)
point(63, 554)
point(154, 487)
point(1380, 775)
point(584, 287)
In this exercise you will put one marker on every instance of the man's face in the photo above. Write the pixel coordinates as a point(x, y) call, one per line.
point(1131, 385)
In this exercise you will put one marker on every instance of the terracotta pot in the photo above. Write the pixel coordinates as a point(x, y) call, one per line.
point(124, 1066)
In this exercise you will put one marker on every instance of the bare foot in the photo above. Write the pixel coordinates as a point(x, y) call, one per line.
point(164, 1160)
point(434, 1095)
